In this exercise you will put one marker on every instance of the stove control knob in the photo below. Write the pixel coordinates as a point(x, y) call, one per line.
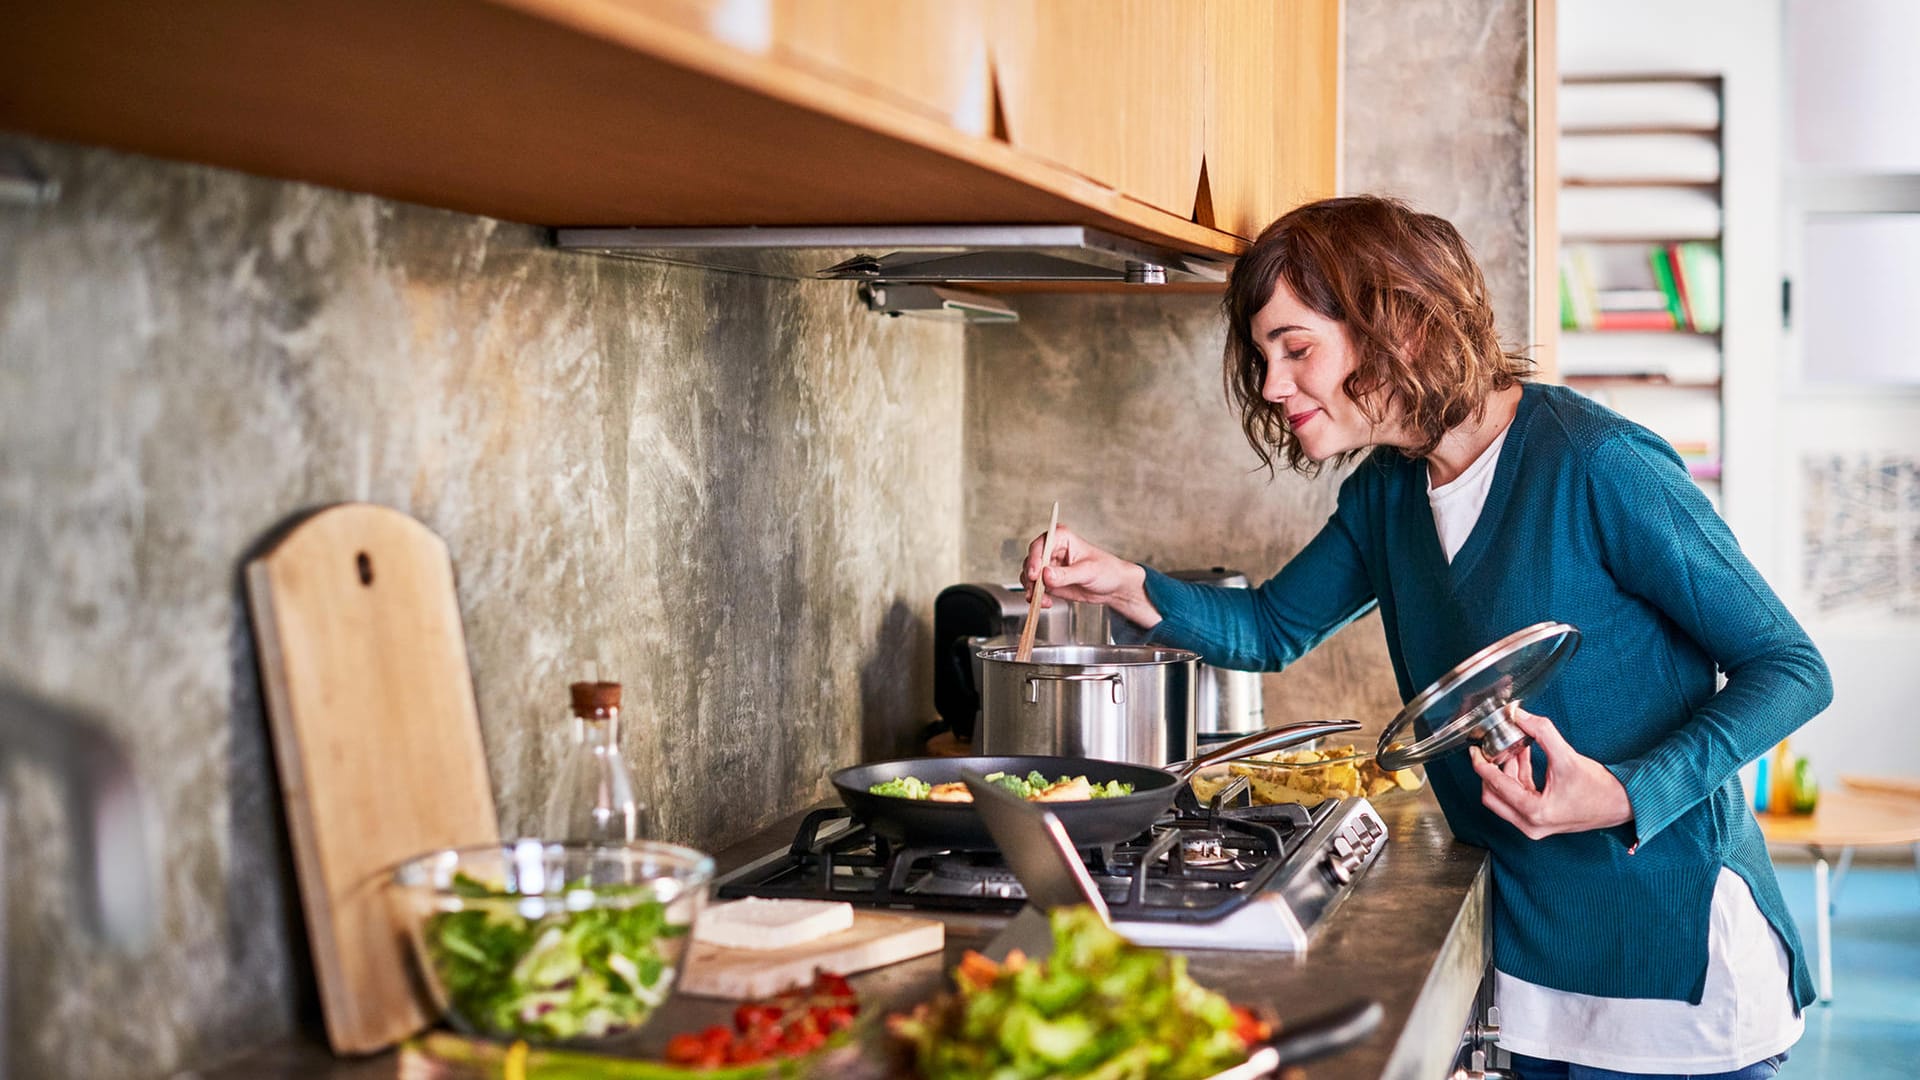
point(1338, 870)
point(1342, 847)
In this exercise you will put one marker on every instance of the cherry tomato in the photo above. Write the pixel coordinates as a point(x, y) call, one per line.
point(752, 1015)
point(765, 1038)
point(685, 1049)
point(836, 1017)
point(744, 1053)
point(1250, 1028)
point(796, 1022)
point(801, 1042)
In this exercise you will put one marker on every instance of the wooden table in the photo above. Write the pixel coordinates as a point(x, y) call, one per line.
point(1875, 813)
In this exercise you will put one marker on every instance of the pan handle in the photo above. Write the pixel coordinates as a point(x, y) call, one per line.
point(1271, 739)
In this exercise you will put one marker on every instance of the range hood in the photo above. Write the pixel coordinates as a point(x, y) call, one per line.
point(910, 269)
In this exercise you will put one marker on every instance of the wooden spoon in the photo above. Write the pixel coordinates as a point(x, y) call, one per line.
point(1025, 652)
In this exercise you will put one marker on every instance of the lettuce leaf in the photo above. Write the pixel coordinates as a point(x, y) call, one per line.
point(552, 971)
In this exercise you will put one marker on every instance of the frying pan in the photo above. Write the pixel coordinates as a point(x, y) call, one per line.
point(946, 826)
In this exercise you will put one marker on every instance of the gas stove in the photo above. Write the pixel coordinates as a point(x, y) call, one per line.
point(1222, 876)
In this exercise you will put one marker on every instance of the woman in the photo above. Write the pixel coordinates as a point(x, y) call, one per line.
point(1638, 926)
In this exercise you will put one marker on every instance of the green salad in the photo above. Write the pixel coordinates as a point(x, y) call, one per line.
point(1097, 1009)
point(548, 972)
point(1030, 786)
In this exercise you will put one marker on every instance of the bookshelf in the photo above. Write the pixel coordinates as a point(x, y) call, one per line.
point(1641, 284)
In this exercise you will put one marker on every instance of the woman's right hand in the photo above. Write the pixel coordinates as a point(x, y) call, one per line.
point(1086, 574)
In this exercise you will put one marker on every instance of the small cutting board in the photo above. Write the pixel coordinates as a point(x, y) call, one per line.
point(875, 939)
point(378, 742)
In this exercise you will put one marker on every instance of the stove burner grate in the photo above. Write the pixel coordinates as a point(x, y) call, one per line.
point(1196, 865)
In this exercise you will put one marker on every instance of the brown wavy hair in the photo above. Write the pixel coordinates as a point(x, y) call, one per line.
point(1413, 302)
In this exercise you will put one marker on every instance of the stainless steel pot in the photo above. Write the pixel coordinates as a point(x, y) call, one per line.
point(974, 615)
point(1132, 703)
point(1227, 703)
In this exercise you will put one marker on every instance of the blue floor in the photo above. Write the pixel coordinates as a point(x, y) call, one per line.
point(1871, 1029)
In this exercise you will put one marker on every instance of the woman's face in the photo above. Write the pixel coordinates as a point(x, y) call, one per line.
point(1309, 357)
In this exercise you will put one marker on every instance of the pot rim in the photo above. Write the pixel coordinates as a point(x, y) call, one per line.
point(1129, 656)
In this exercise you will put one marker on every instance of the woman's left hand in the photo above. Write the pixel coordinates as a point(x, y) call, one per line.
point(1579, 793)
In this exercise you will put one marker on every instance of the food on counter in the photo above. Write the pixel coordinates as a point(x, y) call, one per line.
point(1098, 1007)
point(795, 1023)
point(1034, 787)
point(548, 972)
point(756, 923)
point(1310, 777)
point(442, 1055)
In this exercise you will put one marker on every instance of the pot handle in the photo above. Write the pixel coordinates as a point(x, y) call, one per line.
point(1261, 742)
point(1119, 687)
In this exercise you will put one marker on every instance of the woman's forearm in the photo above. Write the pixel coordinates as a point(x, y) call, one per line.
point(1130, 600)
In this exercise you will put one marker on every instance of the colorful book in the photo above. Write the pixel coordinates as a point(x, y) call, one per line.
point(1663, 275)
point(1632, 300)
point(1585, 286)
point(1699, 266)
point(1681, 286)
point(1634, 320)
point(1577, 277)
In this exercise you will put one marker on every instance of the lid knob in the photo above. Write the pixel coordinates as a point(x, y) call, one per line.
point(1469, 704)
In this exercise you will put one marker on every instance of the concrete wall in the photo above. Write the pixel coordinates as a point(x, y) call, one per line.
point(738, 496)
point(1115, 405)
point(1437, 111)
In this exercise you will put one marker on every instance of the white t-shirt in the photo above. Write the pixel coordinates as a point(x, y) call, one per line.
point(1456, 503)
point(1745, 1013)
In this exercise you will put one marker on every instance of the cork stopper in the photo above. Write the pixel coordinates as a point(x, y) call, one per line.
point(595, 699)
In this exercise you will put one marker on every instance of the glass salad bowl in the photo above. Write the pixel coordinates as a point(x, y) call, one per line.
point(551, 943)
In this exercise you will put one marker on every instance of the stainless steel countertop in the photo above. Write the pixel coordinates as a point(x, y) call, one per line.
point(1413, 936)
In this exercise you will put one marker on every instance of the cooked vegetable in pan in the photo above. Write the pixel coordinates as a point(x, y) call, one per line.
point(1034, 787)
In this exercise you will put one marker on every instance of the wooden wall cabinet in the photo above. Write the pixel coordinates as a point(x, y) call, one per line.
point(1106, 113)
point(1273, 110)
point(928, 57)
point(1112, 89)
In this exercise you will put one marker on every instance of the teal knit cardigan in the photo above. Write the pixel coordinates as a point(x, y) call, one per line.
point(1591, 520)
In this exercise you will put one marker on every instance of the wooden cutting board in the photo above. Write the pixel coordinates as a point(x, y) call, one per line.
point(875, 939)
point(378, 742)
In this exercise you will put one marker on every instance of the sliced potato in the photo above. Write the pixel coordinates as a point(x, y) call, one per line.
point(1310, 777)
point(1269, 792)
point(1205, 787)
point(1341, 780)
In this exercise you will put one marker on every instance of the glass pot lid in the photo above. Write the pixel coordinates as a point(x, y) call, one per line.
point(1467, 705)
